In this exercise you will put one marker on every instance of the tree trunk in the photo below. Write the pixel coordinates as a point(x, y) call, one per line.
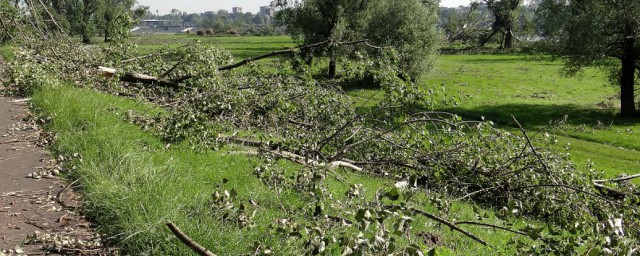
point(627, 79)
point(107, 32)
point(332, 68)
point(332, 62)
point(508, 39)
point(86, 39)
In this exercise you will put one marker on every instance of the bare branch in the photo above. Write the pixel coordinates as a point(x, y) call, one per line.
point(533, 149)
point(491, 226)
point(626, 178)
point(195, 247)
point(442, 221)
point(281, 52)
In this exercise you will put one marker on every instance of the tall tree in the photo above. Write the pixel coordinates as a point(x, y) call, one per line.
point(595, 32)
point(504, 13)
point(407, 25)
point(314, 21)
point(116, 14)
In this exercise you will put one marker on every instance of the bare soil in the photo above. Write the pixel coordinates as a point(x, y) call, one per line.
point(39, 213)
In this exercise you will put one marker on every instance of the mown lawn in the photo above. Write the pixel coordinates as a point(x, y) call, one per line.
point(580, 111)
point(241, 47)
point(534, 91)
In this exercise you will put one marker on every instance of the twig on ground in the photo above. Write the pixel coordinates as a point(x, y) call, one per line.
point(621, 179)
point(59, 195)
point(19, 100)
point(442, 221)
point(478, 192)
point(491, 226)
point(533, 149)
point(195, 247)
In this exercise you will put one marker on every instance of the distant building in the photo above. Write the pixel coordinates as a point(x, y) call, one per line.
point(236, 10)
point(267, 11)
point(153, 23)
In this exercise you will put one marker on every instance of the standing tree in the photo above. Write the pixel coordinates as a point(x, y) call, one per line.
point(504, 13)
point(409, 26)
point(595, 32)
point(315, 21)
point(118, 15)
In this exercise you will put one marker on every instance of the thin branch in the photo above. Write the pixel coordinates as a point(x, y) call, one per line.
point(59, 195)
point(138, 58)
point(567, 187)
point(172, 69)
point(51, 16)
point(408, 122)
point(621, 179)
point(195, 247)
point(442, 221)
point(491, 226)
point(533, 149)
point(616, 194)
point(478, 192)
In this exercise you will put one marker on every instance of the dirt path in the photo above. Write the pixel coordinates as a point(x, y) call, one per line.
point(39, 215)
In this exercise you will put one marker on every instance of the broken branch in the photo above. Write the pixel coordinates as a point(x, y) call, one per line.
point(491, 226)
point(137, 78)
point(195, 247)
point(621, 179)
point(442, 221)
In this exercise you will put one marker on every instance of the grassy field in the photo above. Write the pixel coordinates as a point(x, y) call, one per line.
point(241, 47)
point(581, 109)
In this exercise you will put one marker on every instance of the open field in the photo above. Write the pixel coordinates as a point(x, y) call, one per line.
point(241, 47)
point(533, 90)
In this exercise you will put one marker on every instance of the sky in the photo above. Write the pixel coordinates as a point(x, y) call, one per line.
point(199, 6)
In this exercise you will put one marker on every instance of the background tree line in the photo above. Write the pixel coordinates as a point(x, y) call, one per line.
point(218, 20)
point(111, 19)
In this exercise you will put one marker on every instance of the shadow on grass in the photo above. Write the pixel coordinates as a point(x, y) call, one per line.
point(533, 116)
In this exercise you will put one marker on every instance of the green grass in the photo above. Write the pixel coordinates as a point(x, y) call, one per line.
point(132, 185)
point(534, 91)
point(6, 51)
point(240, 47)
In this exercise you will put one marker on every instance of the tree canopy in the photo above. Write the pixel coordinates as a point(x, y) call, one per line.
point(594, 33)
point(505, 13)
point(408, 26)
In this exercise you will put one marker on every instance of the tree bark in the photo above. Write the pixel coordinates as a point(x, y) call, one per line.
point(86, 39)
point(508, 39)
point(332, 68)
point(332, 61)
point(627, 79)
point(107, 28)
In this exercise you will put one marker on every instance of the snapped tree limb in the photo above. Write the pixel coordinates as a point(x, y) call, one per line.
point(195, 247)
point(138, 78)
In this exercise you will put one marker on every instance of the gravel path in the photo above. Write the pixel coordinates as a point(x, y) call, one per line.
point(38, 213)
